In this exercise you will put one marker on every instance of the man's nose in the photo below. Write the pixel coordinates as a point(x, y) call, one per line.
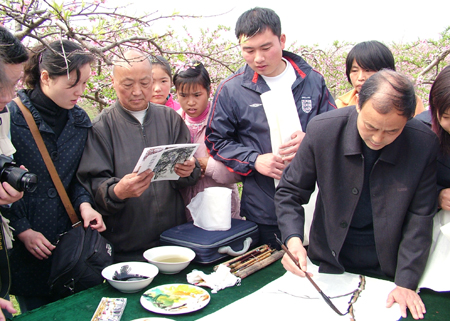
point(259, 56)
point(378, 137)
point(137, 90)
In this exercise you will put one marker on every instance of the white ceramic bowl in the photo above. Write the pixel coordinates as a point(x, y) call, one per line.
point(141, 268)
point(162, 255)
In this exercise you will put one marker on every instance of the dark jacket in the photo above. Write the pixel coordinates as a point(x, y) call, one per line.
point(112, 150)
point(443, 161)
point(238, 131)
point(402, 186)
point(42, 210)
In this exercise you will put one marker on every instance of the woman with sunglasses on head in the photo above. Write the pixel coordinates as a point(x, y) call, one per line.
point(56, 76)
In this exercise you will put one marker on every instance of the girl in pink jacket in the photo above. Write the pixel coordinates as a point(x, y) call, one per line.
point(193, 90)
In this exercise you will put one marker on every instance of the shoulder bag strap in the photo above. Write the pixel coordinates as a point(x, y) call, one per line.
point(48, 162)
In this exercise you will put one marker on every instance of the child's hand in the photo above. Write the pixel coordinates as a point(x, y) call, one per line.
point(185, 169)
point(203, 161)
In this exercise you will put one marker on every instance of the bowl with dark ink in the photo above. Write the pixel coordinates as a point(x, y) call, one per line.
point(130, 277)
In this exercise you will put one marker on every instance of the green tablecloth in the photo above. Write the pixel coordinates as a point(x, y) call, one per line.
point(82, 306)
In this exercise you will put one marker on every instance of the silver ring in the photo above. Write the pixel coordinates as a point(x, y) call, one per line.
point(36, 248)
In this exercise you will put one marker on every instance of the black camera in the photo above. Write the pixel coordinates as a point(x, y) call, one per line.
point(17, 177)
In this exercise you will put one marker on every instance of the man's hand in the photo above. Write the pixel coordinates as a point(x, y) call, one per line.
point(288, 150)
point(444, 199)
point(407, 298)
point(295, 246)
point(133, 185)
point(5, 304)
point(270, 165)
point(8, 194)
point(92, 217)
point(36, 243)
point(185, 169)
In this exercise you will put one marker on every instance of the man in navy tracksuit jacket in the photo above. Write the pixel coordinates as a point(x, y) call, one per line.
point(238, 132)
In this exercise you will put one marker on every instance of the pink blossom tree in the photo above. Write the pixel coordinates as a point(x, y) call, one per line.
point(108, 32)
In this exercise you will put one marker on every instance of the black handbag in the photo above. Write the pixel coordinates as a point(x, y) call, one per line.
point(80, 254)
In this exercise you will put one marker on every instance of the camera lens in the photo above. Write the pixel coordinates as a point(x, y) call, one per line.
point(29, 182)
point(19, 179)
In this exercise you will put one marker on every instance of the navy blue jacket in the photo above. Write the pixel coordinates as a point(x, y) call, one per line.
point(238, 131)
point(42, 210)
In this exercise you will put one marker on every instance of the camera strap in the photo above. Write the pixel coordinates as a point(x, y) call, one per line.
point(49, 163)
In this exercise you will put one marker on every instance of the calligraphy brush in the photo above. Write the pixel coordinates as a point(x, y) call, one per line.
point(324, 296)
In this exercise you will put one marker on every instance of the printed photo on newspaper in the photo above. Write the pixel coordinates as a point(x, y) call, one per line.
point(162, 159)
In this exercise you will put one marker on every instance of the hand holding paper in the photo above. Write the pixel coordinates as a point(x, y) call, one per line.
point(288, 149)
point(133, 185)
point(185, 169)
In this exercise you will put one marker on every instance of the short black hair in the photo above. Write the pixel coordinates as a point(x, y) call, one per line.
point(164, 64)
point(257, 20)
point(195, 74)
point(439, 105)
point(396, 91)
point(370, 55)
point(12, 51)
point(60, 56)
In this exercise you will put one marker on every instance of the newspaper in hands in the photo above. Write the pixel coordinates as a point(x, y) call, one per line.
point(162, 159)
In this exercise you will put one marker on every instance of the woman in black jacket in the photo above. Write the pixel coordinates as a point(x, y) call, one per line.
point(438, 117)
point(56, 76)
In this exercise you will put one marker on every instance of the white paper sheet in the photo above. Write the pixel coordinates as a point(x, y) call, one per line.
point(295, 298)
point(438, 263)
point(282, 116)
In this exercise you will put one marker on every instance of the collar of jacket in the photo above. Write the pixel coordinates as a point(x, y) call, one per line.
point(353, 141)
point(252, 80)
point(148, 116)
point(77, 116)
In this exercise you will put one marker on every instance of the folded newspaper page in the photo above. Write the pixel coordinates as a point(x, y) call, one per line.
point(162, 159)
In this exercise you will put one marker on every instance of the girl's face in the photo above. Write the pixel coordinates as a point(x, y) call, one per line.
point(193, 99)
point(62, 90)
point(161, 85)
point(358, 75)
point(444, 120)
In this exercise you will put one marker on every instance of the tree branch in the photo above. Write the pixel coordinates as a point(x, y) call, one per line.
point(434, 63)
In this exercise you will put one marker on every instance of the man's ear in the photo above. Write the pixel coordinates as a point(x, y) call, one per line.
point(282, 41)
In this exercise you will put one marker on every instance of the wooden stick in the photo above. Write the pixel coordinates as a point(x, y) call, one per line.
point(251, 258)
point(252, 261)
point(243, 256)
point(260, 265)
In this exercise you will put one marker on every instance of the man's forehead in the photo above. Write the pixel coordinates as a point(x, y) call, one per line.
point(263, 35)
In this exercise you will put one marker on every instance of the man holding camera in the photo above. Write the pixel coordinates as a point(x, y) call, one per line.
point(12, 56)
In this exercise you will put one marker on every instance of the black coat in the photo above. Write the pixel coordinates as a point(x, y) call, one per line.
point(402, 185)
point(443, 161)
point(42, 210)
